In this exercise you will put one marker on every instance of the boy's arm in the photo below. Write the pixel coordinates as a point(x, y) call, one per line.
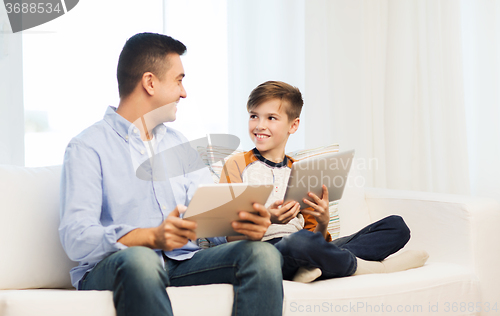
point(320, 213)
point(310, 223)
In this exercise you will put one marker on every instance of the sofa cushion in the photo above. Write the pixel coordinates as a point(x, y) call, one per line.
point(32, 255)
point(431, 290)
point(435, 289)
point(206, 300)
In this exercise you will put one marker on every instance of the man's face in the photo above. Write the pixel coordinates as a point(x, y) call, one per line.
point(269, 128)
point(170, 90)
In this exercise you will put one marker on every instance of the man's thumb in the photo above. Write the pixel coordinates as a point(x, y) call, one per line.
point(178, 210)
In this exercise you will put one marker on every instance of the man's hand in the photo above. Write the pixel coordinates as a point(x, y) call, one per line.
point(255, 225)
point(285, 213)
point(173, 233)
point(320, 210)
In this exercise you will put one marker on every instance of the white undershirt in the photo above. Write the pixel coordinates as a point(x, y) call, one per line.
point(151, 144)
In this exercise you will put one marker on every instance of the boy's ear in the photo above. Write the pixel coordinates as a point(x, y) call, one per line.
point(148, 83)
point(295, 125)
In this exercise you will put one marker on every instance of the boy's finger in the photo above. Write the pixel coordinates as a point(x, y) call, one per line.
point(288, 215)
point(311, 204)
point(325, 193)
point(311, 212)
point(289, 204)
point(277, 203)
point(314, 197)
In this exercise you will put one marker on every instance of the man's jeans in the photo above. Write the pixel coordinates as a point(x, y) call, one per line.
point(337, 258)
point(138, 280)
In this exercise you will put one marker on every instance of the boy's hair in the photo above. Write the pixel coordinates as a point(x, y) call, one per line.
point(144, 52)
point(277, 90)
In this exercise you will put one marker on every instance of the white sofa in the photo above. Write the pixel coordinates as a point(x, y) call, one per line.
point(460, 233)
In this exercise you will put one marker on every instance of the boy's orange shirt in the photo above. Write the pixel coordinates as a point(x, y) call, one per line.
point(232, 172)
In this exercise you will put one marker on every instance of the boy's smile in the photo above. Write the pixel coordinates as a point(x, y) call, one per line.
point(269, 128)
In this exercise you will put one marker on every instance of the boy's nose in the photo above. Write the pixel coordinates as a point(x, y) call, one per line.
point(261, 125)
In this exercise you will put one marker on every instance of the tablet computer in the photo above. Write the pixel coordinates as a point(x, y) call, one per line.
point(215, 206)
point(308, 175)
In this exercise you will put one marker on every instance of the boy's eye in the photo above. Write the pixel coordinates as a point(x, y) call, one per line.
point(272, 118)
point(252, 116)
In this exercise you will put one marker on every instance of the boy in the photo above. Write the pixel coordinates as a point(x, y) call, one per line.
point(274, 109)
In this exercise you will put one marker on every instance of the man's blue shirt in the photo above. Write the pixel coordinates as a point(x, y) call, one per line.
point(110, 186)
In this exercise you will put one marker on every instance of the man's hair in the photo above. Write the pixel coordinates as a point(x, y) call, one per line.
point(144, 52)
point(270, 90)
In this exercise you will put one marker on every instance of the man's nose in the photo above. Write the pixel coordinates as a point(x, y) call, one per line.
point(183, 92)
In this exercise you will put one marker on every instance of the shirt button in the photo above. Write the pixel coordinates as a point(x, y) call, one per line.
point(135, 131)
point(126, 137)
point(164, 207)
point(142, 152)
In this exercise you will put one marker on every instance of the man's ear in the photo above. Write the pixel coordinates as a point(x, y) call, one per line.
point(148, 83)
point(295, 125)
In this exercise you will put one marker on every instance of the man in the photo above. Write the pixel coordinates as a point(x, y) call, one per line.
point(124, 229)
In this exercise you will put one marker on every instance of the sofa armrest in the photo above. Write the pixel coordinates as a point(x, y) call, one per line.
point(451, 228)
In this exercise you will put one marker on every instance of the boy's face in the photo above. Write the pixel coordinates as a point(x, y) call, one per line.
point(269, 129)
point(170, 90)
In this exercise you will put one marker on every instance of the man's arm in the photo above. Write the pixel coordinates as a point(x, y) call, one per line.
point(82, 235)
point(173, 233)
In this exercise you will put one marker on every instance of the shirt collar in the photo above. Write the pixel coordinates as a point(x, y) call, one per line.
point(269, 162)
point(126, 129)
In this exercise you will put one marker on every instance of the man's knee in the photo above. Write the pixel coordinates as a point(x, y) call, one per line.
point(262, 255)
point(140, 263)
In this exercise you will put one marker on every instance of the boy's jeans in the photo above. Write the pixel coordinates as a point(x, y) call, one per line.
point(138, 280)
point(337, 258)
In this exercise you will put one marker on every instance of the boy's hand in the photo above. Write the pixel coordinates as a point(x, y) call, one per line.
point(254, 225)
point(284, 214)
point(320, 210)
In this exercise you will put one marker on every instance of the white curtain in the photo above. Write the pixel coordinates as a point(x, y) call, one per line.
point(481, 50)
point(386, 78)
point(265, 42)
